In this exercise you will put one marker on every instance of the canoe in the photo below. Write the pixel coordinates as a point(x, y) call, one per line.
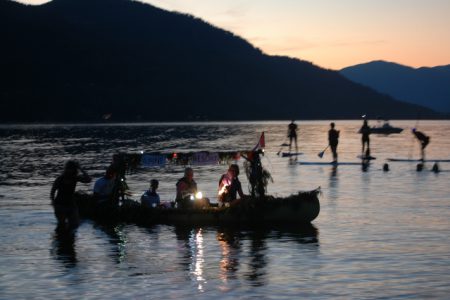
point(300, 208)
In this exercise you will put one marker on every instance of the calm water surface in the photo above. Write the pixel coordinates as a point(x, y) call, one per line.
point(378, 235)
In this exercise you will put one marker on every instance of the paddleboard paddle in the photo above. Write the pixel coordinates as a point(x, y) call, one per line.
point(320, 154)
point(283, 145)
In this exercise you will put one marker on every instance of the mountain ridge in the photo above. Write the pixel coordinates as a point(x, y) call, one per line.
point(70, 60)
point(427, 86)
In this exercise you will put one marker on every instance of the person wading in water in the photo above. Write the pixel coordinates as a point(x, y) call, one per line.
point(62, 196)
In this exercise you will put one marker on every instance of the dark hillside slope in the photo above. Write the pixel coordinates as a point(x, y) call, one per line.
point(76, 60)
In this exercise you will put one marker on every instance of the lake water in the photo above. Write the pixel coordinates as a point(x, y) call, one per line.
point(379, 234)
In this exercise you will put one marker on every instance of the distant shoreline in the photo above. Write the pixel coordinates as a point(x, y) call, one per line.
point(219, 122)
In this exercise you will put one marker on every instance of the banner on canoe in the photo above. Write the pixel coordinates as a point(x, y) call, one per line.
point(153, 160)
point(150, 160)
point(205, 158)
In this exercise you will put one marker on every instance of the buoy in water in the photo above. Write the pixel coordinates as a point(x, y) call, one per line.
point(435, 168)
point(386, 167)
point(419, 167)
point(365, 166)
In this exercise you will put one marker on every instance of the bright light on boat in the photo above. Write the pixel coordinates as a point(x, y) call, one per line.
point(142, 152)
point(199, 195)
point(192, 197)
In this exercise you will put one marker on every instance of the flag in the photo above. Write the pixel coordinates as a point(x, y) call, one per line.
point(261, 143)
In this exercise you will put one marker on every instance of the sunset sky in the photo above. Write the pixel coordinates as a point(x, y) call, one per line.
point(332, 33)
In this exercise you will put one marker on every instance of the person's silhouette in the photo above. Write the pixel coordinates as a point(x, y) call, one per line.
point(333, 140)
point(424, 141)
point(292, 135)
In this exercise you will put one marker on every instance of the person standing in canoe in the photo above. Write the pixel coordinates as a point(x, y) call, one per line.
point(333, 140)
point(424, 141)
point(62, 196)
point(292, 135)
point(365, 139)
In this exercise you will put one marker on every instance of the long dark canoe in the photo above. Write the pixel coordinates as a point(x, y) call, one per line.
point(301, 208)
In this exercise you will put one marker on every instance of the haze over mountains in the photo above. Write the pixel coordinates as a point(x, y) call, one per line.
point(77, 60)
point(429, 87)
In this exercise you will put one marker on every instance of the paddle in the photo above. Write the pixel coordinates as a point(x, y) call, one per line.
point(282, 145)
point(320, 154)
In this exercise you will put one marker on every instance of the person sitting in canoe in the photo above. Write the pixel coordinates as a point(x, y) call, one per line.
point(423, 139)
point(187, 193)
point(104, 187)
point(230, 187)
point(151, 198)
point(61, 195)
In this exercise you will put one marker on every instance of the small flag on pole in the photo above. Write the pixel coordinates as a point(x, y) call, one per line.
point(261, 143)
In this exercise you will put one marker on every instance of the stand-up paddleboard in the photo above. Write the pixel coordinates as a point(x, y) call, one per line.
point(417, 160)
point(363, 157)
point(289, 154)
point(322, 163)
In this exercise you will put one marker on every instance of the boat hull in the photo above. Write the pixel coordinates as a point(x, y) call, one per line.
point(296, 209)
point(381, 130)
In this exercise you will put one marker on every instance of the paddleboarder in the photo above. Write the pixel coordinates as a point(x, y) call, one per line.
point(365, 132)
point(333, 140)
point(292, 135)
point(423, 140)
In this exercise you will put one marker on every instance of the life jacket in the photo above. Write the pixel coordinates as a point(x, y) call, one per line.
point(191, 187)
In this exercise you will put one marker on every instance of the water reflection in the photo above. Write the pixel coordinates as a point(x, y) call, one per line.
point(333, 185)
point(243, 251)
point(63, 248)
point(198, 259)
point(183, 235)
point(305, 234)
point(190, 244)
point(230, 245)
point(333, 174)
point(258, 261)
point(118, 239)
